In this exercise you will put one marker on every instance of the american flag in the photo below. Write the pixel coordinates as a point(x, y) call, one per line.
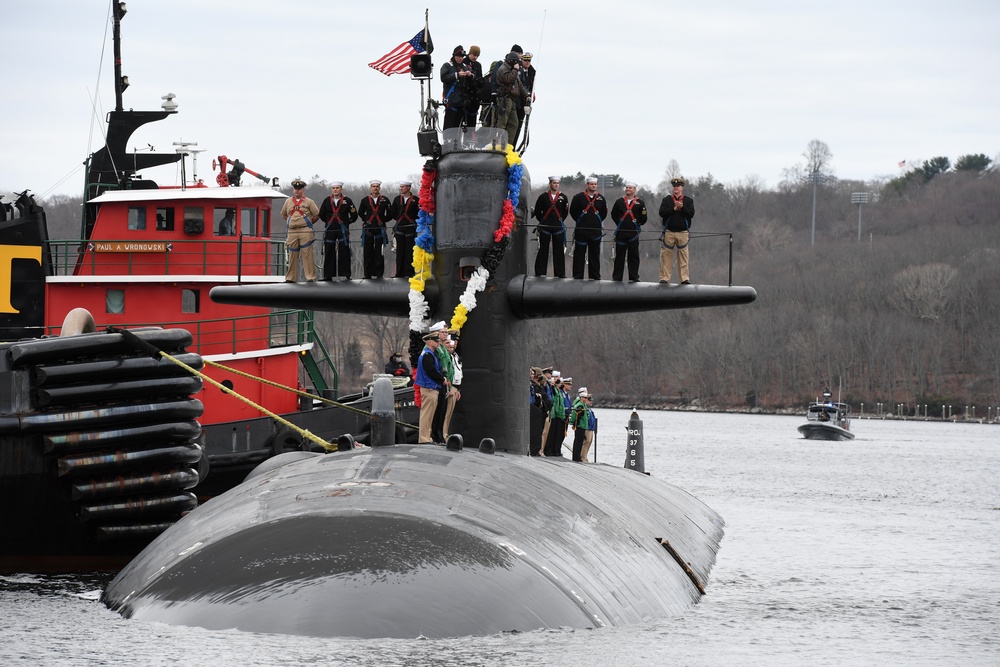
point(901, 164)
point(397, 61)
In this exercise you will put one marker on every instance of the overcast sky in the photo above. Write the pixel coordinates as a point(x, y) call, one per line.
point(732, 88)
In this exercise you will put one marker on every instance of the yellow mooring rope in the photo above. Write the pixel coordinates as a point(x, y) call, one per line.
point(305, 433)
point(297, 391)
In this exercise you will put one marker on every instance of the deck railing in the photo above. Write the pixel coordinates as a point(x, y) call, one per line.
point(222, 255)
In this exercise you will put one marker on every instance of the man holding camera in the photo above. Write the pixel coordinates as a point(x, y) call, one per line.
point(457, 79)
point(510, 95)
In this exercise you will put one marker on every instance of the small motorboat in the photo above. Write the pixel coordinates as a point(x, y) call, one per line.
point(827, 420)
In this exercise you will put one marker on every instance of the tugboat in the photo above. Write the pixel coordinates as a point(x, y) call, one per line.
point(827, 420)
point(80, 480)
point(443, 539)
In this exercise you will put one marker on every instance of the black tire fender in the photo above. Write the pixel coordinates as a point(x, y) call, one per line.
point(286, 440)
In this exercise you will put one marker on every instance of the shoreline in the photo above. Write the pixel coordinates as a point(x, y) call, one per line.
point(790, 412)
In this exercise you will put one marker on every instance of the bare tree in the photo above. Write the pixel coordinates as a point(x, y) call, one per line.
point(673, 171)
point(923, 291)
point(818, 157)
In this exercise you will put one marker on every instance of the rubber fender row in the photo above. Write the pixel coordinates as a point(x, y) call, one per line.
point(114, 416)
point(109, 487)
point(84, 441)
point(109, 370)
point(126, 508)
point(126, 390)
point(101, 462)
point(88, 346)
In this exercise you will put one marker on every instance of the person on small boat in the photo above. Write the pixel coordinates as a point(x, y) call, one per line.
point(551, 210)
point(299, 213)
point(588, 209)
point(430, 382)
point(337, 211)
point(396, 366)
point(629, 215)
point(676, 211)
point(405, 208)
point(374, 210)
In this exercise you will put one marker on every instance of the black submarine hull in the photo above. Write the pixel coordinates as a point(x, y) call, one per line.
point(422, 541)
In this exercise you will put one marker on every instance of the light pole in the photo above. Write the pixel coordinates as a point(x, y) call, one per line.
point(859, 198)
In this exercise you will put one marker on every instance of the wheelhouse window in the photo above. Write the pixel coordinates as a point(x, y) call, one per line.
point(114, 301)
point(136, 217)
point(225, 221)
point(248, 222)
point(165, 219)
point(265, 222)
point(194, 219)
point(190, 301)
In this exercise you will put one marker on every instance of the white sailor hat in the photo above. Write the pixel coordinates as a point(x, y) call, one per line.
point(406, 182)
point(337, 184)
point(553, 179)
point(375, 181)
point(556, 374)
point(437, 326)
point(567, 380)
point(592, 179)
point(581, 391)
point(630, 184)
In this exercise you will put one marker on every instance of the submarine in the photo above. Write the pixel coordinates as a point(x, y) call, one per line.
point(443, 540)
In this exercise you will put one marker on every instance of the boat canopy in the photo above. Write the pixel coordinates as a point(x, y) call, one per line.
point(829, 407)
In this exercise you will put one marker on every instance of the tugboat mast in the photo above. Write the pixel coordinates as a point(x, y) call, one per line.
point(121, 82)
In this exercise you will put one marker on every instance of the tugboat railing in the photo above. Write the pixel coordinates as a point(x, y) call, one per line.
point(230, 255)
point(231, 335)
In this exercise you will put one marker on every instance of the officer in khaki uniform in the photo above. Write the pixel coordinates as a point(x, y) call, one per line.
point(676, 210)
point(299, 213)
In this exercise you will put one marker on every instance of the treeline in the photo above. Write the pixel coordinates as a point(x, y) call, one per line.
point(910, 314)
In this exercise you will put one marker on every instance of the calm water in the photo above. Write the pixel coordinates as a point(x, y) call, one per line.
point(883, 550)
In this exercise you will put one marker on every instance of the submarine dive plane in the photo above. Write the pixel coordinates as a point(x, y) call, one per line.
point(436, 540)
